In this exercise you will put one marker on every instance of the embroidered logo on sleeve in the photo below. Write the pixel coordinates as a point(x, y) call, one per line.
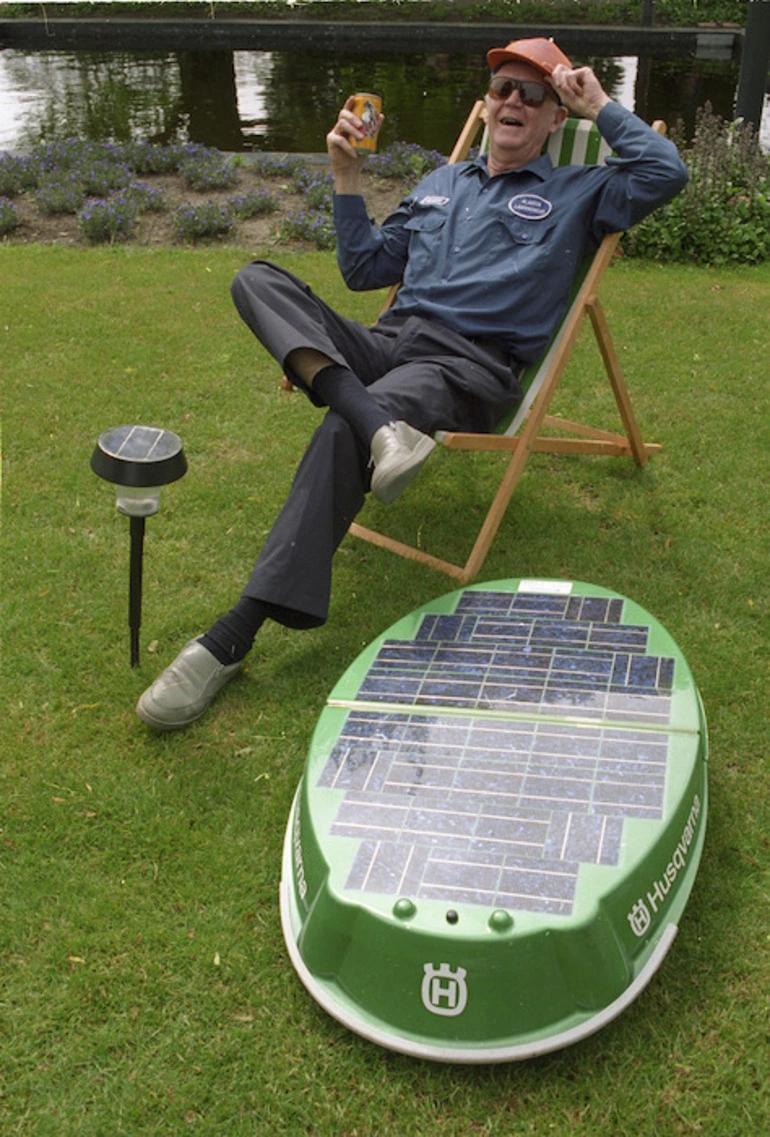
point(530, 206)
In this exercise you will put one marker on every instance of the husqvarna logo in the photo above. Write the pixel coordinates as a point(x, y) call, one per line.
point(444, 991)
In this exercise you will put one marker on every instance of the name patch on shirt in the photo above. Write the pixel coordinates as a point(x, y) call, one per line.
point(434, 199)
point(530, 206)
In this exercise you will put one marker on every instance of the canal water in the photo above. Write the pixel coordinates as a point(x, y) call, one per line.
point(286, 100)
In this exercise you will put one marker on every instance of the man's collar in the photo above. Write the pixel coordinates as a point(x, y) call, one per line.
point(541, 167)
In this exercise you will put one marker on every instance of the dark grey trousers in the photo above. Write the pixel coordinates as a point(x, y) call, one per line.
point(418, 370)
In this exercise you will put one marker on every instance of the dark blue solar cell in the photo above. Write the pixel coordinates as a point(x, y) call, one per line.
point(584, 744)
point(559, 632)
point(574, 608)
point(609, 851)
point(448, 688)
point(439, 823)
point(666, 678)
point(441, 736)
point(599, 610)
point(530, 659)
point(426, 630)
point(580, 662)
point(361, 865)
point(586, 701)
point(587, 686)
point(594, 609)
point(355, 767)
point(643, 671)
point(486, 601)
point(583, 838)
point(406, 650)
point(554, 882)
point(471, 664)
point(366, 727)
point(477, 881)
point(497, 739)
point(512, 631)
point(551, 606)
point(393, 689)
point(650, 749)
point(619, 638)
point(626, 795)
point(430, 699)
point(615, 613)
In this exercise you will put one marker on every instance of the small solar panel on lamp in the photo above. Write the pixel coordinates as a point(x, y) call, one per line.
point(138, 460)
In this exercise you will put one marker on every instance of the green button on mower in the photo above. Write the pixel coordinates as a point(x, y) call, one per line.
point(499, 823)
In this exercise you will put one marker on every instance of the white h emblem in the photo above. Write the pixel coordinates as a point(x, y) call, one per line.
point(639, 918)
point(444, 991)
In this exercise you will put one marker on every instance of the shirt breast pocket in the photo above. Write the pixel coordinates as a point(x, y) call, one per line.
point(532, 248)
point(426, 221)
point(534, 234)
point(427, 253)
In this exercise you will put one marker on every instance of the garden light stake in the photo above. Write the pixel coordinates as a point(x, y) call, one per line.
point(139, 460)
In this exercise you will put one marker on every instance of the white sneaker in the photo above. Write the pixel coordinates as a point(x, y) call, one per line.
point(398, 453)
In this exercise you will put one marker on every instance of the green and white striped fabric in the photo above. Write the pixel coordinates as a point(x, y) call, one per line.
point(577, 142)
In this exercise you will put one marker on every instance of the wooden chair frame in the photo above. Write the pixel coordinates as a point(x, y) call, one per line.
point(524, 435)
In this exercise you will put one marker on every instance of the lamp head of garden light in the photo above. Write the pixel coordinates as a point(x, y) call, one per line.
point(139, 460)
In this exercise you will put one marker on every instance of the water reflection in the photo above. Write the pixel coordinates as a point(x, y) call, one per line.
point(285, 101)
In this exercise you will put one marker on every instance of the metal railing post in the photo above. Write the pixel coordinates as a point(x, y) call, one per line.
point(755, 58)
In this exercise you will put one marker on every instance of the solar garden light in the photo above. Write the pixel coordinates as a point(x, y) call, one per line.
point(139, 460)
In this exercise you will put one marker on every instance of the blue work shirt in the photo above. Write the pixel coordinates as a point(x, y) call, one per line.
point(494, 257)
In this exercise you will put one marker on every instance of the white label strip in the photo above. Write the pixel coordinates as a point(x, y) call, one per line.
point(552, 587)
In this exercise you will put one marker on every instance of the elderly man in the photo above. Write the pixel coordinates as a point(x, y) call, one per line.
point(486, 251)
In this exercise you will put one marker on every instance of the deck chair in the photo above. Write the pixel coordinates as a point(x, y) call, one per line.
point(577, 142)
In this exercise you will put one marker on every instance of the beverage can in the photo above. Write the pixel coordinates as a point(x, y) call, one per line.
point(368, 108)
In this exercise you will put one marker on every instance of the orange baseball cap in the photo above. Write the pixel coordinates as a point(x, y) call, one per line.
point(540, 53)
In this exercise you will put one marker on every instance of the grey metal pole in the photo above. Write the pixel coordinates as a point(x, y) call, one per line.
point(755, 60)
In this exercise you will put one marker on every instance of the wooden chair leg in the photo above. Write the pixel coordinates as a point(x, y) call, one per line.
point(617, 379)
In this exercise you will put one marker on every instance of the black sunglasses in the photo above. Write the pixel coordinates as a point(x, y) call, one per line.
point(531, 92)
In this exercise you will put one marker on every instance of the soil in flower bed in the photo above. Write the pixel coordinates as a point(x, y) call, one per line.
point(156, 228)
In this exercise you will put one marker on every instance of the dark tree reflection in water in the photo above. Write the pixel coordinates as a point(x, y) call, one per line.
point(285, 101)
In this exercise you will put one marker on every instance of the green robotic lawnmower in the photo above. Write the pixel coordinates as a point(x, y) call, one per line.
point(499, 823)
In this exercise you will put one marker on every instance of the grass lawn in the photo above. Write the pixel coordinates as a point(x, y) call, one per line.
point(145, 987)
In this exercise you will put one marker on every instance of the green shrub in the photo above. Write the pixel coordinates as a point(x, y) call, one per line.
point(194, 222)
point(14, 175)
point(723, 214)
point(148, 199)
point(100, 176)
point(271, 166)
point(252, 203)
point(406, 160)
point(319, 193)
point(9, 218)
point(61, 193)
point(108, 219)
point(152, 157)
point(316, 227)
point(206, 169)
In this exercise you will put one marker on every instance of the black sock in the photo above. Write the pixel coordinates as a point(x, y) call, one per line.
point(230, 639)
point(342, 391)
